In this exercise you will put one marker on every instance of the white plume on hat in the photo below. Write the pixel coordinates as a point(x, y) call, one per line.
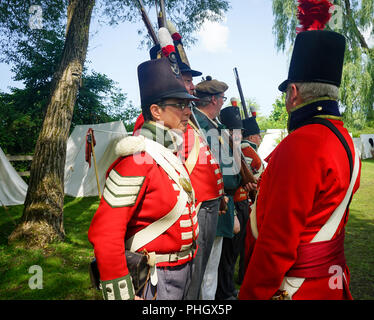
point(171, 27)
point(164, 37)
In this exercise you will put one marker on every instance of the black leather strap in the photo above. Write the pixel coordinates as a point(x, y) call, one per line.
point(328, 124)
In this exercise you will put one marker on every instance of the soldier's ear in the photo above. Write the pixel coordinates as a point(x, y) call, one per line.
point(213, 99)
point(155, 112)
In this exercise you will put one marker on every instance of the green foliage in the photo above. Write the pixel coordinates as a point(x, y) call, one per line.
point(100, 100)
point(15, 21)
point(279, 113)
point(35, 55)
point(35, 60)
point(250, 102)
point(357, 88)
point(188, 15)
point(65, 265)
point(278, 117)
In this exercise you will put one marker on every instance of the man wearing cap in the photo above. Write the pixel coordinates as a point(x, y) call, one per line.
point(148, 204)
point(249, 145)
point(303, 200)
point(207, 181)
point(230, 118)
point(211, 94)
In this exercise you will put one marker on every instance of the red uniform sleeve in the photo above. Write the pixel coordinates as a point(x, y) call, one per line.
point(109, 224)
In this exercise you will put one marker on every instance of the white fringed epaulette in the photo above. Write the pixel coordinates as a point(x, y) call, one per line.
point(130, 145)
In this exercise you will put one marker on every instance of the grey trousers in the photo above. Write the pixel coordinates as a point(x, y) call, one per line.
point(171, 284)
point(207, 218)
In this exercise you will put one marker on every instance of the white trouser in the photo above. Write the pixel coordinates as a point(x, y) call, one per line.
point(209, 284)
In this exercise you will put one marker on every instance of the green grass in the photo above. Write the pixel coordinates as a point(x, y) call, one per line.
point(65, 265)
point(359, 242)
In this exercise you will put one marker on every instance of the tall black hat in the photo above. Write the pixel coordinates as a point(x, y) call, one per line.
point(317, 56)
point(184, 65)
point(230, 117)
point(250, 127)
point(158, 81)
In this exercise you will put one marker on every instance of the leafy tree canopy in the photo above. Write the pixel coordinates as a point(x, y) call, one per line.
point(354, 19)
point(34, 61)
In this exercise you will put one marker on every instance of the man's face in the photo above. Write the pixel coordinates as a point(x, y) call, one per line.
point(187, 78)
point(175, 113)
point(219, 100)
point(255, 138)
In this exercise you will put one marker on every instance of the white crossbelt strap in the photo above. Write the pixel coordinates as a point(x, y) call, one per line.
point(292, 284)
point(153, 230)
point(170, 163)
point(194, 154)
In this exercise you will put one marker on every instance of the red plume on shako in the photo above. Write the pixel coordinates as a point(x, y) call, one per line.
point(313, 14)
point(168, 49)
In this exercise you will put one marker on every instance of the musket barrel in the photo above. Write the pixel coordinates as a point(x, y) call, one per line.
point(241, 93)
point(147, 22)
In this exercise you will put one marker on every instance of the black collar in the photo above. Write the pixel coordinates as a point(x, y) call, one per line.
point(322, 107)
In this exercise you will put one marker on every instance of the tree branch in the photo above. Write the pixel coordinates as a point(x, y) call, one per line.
point(359, 35)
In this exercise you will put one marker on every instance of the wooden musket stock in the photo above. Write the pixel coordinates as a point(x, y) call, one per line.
point(147, 23)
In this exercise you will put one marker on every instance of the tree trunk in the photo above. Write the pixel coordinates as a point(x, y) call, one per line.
point(42, 220)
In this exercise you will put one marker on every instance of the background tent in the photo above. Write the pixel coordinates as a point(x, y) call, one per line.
point(366, 153)
point(12, 187)
point(80, 180)
point(358, 146)
point(270, 141)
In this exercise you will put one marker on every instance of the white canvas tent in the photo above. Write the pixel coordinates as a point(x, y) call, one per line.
point(366, 153)
point(358, 146)
point(270, 141)
point(80, 180)
point(12, 187)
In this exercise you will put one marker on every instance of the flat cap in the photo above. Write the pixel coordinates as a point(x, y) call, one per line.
point(210, 87)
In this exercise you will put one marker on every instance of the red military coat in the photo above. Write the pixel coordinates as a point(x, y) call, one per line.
point(150, 194)
point(306, 179)
point(205, 173)
point(255, 163)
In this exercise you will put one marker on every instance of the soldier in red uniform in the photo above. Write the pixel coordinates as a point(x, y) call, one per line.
point(249, 145)
point(302, 205)
point(230, 118)
point(148, 202)
point(204, 171)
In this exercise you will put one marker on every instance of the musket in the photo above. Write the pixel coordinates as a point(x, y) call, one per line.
point(147, 23)
point(241, 93)
point(161, 15)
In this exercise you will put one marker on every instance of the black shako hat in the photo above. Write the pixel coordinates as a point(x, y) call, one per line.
point(317, 56)
point(183, 63)
point(230, 117)
point(250, 127)
point(158, 81)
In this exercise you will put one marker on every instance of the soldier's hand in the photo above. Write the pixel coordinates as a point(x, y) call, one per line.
point(250, 186)
point(236, 229)
point(223, 205)
point(138, 298)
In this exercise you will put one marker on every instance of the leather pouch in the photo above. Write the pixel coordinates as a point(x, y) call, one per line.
point(137, 263)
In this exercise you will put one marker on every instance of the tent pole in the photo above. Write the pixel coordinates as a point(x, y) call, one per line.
point(97, 175)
